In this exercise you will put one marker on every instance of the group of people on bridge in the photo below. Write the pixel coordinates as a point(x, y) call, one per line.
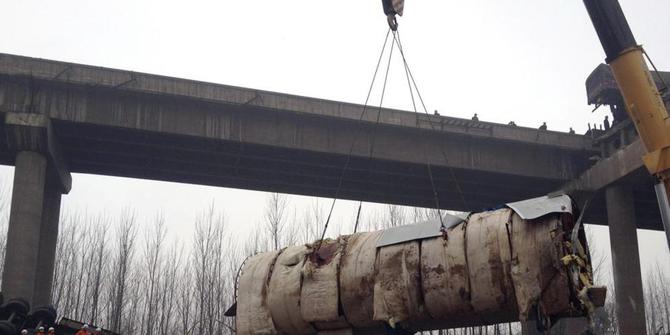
point(606, 123)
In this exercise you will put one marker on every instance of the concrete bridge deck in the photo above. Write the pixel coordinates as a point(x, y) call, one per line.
point(138, 125)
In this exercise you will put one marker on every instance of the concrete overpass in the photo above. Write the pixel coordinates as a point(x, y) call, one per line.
point(79, 118)
point(138, 125)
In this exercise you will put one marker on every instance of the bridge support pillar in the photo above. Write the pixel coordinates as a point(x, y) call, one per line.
point(625, 260)
point(40, 177)
point(47, 248)
point(25, 220)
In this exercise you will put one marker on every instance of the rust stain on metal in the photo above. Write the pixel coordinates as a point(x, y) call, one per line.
point(325, 254)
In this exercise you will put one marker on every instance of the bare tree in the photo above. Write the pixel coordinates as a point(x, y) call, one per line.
point(275, 220)
point(65, 254)
point(207, 257)
point(152, 266)
point(4, 219)
point(657, 300)
point(313, 222)
point(185, 299)
point(122, 263)
point(395, 216)
point(99, 269)
point(168, 296)
point(604, 318)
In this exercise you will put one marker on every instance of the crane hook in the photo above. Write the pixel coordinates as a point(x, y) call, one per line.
point(391, 9)
point(393, 22)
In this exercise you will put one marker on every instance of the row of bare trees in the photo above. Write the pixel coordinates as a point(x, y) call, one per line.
point(129, 277)
point(133, 277)
point(657, 300)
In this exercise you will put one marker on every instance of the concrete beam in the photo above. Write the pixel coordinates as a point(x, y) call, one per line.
point(33, 132)
point(250, 99)
point(628, 291)
point(461, 144)
point(609, 170)
point(623, 166)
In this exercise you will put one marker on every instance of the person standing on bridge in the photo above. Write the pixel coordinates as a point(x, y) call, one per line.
point(543, 126)
point(475, 117)
point(606, 123)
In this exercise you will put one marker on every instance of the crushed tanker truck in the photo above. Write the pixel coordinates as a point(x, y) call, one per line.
point(524, 261)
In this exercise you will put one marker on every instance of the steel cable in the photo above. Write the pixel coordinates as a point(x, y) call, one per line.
point(353, 142)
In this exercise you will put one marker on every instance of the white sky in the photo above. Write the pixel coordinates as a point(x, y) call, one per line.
point(521, 60)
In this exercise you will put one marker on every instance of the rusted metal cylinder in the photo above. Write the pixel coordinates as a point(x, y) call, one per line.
point(493, 267)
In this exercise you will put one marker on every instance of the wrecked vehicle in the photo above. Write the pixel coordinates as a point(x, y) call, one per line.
point(525, 261)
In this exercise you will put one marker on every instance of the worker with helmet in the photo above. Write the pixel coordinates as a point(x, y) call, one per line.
point(83, 331)
point(40, 331)
point(51, 331)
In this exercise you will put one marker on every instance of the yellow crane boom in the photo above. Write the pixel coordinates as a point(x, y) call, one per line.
point(644, 103)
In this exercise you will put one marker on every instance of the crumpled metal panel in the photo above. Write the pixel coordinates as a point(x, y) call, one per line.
point(541, 206)
point(419, 231)
point(454, 220)
point(526, 209)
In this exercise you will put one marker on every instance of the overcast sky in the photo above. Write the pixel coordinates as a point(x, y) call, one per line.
point(521, 60)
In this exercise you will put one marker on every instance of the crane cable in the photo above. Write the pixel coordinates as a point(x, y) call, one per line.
point(410, 80)
point(666, 89)
point(410, 77)
point(374, 130)
point(412, 86)
point(353, 142)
